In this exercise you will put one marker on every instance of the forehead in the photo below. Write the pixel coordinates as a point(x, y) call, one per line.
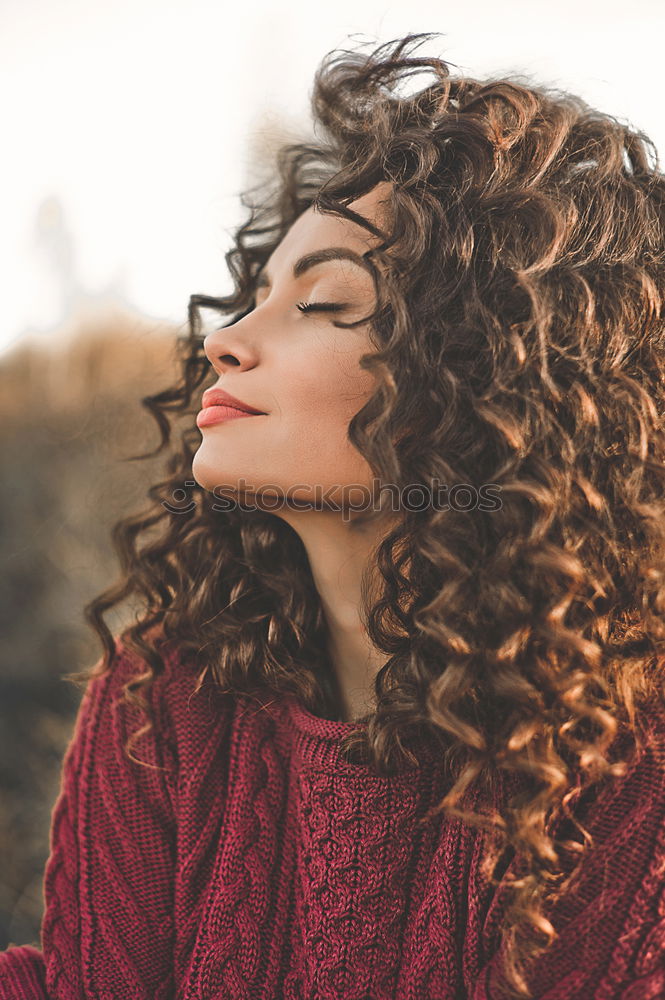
point(314, 230)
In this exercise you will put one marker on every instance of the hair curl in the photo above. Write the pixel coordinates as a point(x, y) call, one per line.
point(519, 343)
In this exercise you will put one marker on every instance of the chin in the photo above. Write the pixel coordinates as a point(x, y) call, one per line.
point(207, 473)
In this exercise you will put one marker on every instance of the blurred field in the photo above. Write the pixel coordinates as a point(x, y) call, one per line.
point(66, 420)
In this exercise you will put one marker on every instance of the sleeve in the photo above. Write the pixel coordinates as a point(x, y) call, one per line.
point(107, 929)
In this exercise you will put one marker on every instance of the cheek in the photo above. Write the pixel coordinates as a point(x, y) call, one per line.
point(329, 385)
point(315, 419)
point(317, 433)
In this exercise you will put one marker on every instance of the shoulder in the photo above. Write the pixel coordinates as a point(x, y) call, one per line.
point(617, 907)
point(187, 718)
point(634, 797)
point(610, 915)
point(644, 774)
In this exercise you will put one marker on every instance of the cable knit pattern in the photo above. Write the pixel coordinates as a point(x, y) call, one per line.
point(254, 863)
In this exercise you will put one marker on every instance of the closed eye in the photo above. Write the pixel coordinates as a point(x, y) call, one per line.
point(335, 307)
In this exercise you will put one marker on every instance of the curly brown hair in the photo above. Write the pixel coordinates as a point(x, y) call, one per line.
point(519, 342)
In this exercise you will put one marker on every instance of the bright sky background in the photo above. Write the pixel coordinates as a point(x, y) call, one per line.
point(129, 127)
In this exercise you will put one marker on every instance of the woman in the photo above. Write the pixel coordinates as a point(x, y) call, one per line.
point(391, 724)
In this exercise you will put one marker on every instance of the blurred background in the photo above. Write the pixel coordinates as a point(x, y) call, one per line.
point(129, 131)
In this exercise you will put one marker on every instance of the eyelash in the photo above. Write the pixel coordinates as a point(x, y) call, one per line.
point(306, 307)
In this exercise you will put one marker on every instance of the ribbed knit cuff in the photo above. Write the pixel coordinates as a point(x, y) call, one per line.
point(22, 973)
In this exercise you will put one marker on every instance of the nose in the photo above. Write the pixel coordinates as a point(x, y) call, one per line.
point(218, 353)
point(226, 348)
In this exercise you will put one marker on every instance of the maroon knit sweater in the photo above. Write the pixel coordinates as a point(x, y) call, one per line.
point(258, 865)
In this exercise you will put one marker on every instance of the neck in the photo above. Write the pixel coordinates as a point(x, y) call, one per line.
point(339, 552)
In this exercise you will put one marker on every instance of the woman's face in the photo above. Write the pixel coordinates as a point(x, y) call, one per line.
point(298, 368)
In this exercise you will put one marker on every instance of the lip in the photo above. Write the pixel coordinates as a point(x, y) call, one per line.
point(216, 414)
point(220, 406)
point(217, 397)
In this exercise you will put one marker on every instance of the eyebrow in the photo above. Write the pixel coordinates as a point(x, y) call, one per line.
point(309, 260)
